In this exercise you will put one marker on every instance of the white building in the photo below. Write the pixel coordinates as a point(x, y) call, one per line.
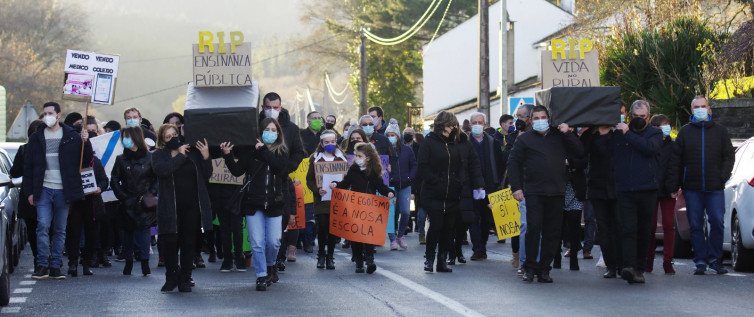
point(451, 62)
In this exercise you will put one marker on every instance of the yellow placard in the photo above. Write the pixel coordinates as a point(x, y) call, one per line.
point(300, 175)
point(506, 214)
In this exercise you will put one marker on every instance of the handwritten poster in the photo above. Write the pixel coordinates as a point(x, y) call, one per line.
point(359, 217)
point(329, 168)
point(221, 174)
point(567, 66)
point(300, 213)
point(300, 175)
point(506, 214)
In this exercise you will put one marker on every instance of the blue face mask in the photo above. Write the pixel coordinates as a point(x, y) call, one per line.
point(330, 148)
point(269, 137)
point(511, 129)
point(132, 123)
point(368, 129)
point(392, 139)
point(128, 142)
point(477, 129)
point(541, 125)
point(700, 114)
point(665, 129)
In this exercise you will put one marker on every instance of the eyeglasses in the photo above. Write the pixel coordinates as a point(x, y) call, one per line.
point(367, 124)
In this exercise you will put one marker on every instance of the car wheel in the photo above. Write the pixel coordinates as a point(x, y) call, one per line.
point(16, 255)
point(742, 258)
point(22, 236)
point(9, 256)
point(681, 248)
point(5, 282)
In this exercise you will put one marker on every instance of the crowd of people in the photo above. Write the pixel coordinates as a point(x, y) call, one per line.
point(616, 177)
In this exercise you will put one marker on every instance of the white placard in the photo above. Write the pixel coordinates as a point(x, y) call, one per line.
point(91, 63)
point(88, 181)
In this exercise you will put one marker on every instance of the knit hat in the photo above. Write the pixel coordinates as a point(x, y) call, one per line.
point(112, 125)
point(393, 127)
point(72, 117)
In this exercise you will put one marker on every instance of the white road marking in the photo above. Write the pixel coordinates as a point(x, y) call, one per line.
point(26, 283)
point(10, 310)
point(22, 290)
point(435, 296)
point(17, 300)
point(736, 274)
point(27, 276)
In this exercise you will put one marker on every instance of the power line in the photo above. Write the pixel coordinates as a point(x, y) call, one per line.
point(439, 25)
point(410, 32)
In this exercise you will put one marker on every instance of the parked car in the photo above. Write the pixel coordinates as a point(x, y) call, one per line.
point(9, 205)
point(739, 209)
point(5, 248)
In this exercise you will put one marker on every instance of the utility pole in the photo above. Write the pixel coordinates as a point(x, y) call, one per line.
point(483, 99)
point(363, 75)
point(502, 89)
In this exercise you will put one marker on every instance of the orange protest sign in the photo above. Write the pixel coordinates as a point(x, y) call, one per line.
point(300, 214)
point(358, 216)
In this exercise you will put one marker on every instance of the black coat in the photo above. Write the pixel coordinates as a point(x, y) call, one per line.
point(292, 139)
point(494, 162)
point(266, 172)
point(163, 166)
point(132, 177)
point(25, 210)
point(600, 175)
point(703, 157)
point(537, 162)
point(310, 140)
point(356, 180)
point(69, 154)
point(635, 156)
point(471, 170)
point(381, 143)
point(441, 167)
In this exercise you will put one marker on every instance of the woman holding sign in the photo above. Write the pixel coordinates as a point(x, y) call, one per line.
point(263, 202)
point(327, 151)
point(364, 176)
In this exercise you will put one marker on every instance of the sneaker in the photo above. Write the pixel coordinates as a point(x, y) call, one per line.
point(262, 283)
point(226, 267)
point(393, 245)
point(700, 269)
point(120, 258)
point(241, 264)
point(718, 267)
point(199, 262)
point(40, 272)
point(520, 271)
point(402, 243)
point(56, 274)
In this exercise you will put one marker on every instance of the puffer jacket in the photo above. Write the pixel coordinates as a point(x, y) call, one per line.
point(266, 172)
point(441, 168)
point(131, 178)
point(703, 157)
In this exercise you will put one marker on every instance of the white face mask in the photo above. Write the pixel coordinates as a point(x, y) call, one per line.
point(359, 162)
point(50, 121)
point(271, 113)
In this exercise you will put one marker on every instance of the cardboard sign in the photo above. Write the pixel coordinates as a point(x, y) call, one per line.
point(359, 217)
point(330, 168)
point(506, 214)
point(222, 64)
point(90, 76)
point(570, 68)
point(384, 159)
point(300, 213)
point(300, 175)
point(88, 181)
point(221, 174)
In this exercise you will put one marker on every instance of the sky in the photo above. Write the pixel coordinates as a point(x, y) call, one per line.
point(154, 38)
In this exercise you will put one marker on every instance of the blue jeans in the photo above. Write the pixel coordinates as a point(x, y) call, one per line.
point(136, 238)
point(403, 202)
point(421, 219)
point(264, 235)
point(713, 203)
point(52, 210)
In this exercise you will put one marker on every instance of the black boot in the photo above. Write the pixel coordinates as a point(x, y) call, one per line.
point(359, 264)
point(73, 270)
point(86, 271)
point(145, 267)
point(171, 280)
point(442, 266)
point(128, 267)
point(574, 263)
point(459, 255)
point(371, 267)
point(184, 280)
point(321, 260)
point(429, 263)
point(272, 272)
point(330, 263)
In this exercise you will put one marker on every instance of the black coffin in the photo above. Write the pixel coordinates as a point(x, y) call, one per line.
point(581, 106)
point(217, 125)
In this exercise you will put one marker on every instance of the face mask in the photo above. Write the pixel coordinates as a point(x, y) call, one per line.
point(329, 126)
point(368, 129)
point(128, 143)
point(269, 137)
point(511, 129)
point(271, 113)
point(316, 124)
point(330, 148)
point(541, 125)
point(622, 118)
point(700, 114)
point(50, 121)
point(477, 129)
point(132, 123)
point(408, 138)
point(637, 124)
point(392, 139)
point(78, 128)
point(453, 134)
point(359, 162)
point(173, 144)
point(520, 125)
point(665, 129)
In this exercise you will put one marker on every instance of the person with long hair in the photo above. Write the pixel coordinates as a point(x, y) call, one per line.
point(402, 173)
point(355, 136)
point(132, 178)
point(364, 176)
point(263, 203)
point(326, 151)
point(184, 205)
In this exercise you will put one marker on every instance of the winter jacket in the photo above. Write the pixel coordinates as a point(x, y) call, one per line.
point(493, 169)
point(131, 178)
point(537, 162)
point(635, 157)
point(320, 207)
point(703, 157)
point(266, 173)
point(666, 152)
point(292, 138)
point(601, 174)
point(402, 167)
point(356, 180)
point(25, 210)
point(472, 173)
point(69, 155)
point(163, 165)
point(380, 142)
point(310, 140)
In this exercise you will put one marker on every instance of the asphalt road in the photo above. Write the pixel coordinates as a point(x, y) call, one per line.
point(399, 288)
